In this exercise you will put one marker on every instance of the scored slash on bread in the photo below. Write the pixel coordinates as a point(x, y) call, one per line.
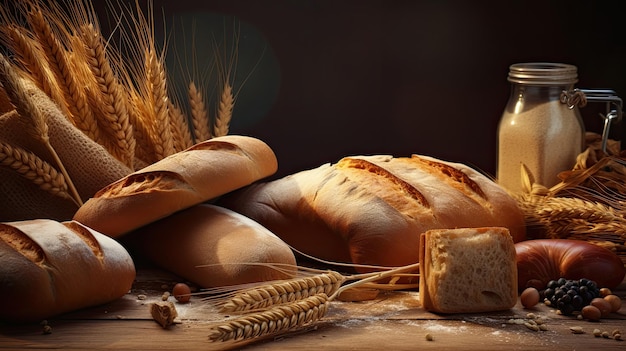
point(198, 174)
point(467, 270)
point(370, 210)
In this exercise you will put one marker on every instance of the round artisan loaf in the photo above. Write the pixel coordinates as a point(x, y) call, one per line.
point(371, 210)
point(200, 173)
point(49, 268)
point(213, 246)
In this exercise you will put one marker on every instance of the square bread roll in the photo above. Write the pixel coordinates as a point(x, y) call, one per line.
point(467, 270)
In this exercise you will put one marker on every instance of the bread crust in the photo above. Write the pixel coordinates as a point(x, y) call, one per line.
point(201, 173)
point(213, 246)
point(370, 210)
point(49, 268)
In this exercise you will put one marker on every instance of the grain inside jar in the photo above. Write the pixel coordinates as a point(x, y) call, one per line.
point(536, 129)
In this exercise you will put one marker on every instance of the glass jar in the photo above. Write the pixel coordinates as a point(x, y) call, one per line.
point(537, 130)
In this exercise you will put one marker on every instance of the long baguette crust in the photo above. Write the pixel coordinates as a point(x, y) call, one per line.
point(219, 247)
point(202, 172)
point(371, 210)
point(49, 268)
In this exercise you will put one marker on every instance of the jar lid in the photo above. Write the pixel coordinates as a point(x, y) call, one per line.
point(543, 73)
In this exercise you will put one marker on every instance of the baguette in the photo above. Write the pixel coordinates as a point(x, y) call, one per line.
point(467, 270)
point(198, 174)
point(370, 210)
point(49, 268)
point(213, 246)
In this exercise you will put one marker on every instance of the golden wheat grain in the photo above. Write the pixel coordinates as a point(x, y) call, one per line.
point(16, 91)
point(564, 208)
point(139, 113)
point(283, 292)
point(180, 128)
point(274, 321)
point(156, 76)
point(33, 168)
point(113, 98)
point(29, 54)
point(224, 111)
point(59, 62)
point(199, 114)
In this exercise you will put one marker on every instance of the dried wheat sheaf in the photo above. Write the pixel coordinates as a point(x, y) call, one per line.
point(113, 88)
point(588, 204)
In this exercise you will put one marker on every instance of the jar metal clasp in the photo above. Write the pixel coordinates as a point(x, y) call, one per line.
point(580, 97)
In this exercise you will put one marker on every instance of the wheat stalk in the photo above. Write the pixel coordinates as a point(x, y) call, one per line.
point(284, 313)
point(29, 53)
point(283, 292)
point(33, 168)
point(59, 62)
point(199, 114)
point(26, 108)
point(156, 82)
point(224, 111)
point(113, 98)
point(180, 128)
point(276, 320)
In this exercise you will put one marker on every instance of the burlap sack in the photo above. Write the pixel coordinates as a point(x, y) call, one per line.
point(88, 164)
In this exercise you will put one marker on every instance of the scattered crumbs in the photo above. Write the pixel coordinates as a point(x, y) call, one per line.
point(47, 329)
point(429, 337)
point(141, 297)
point(577, 330)
point(165, 296)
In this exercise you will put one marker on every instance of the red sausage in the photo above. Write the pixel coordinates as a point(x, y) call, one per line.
point(542, 260)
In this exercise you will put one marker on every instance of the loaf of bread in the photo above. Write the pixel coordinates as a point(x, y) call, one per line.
point(200, 173)
point(213, 246)
point(49, 268)
point(371, 210)
point(467, 270)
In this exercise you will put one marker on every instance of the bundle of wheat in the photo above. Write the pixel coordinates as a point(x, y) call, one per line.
point(76, 114)
point(588, 204)
point(257, 312)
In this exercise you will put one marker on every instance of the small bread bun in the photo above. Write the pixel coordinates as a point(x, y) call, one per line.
point(467, 270)
point(202, 172)
point(213, 246)
point(49, 268)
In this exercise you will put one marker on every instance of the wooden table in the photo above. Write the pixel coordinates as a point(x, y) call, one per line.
point(392, 321)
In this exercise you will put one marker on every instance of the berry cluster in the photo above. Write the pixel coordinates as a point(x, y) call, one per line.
point(569, 296)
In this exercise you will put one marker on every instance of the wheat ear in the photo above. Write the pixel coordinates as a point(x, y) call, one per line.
point(199, 114)
point(292, 315)
point(155, 72)
point(564, 216)
point(59, 61)
point(180, 128)
point(224, 111)
point(276, 320)
point(33, 168)
point(113, 98)
point(26, 108)
point(29, 53)
point(283, 292)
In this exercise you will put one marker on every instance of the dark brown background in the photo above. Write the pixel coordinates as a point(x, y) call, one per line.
point(352, 77)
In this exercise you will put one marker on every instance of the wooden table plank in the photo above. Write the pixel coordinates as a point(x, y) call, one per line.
point(394, 320)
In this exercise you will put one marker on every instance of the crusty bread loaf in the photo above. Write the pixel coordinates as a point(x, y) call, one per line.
point(200, 173)
point(213, 246)
point(467, 270)
point(372, 209)
point(49, 268)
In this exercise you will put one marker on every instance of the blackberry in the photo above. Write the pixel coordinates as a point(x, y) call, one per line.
point(569, 295)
